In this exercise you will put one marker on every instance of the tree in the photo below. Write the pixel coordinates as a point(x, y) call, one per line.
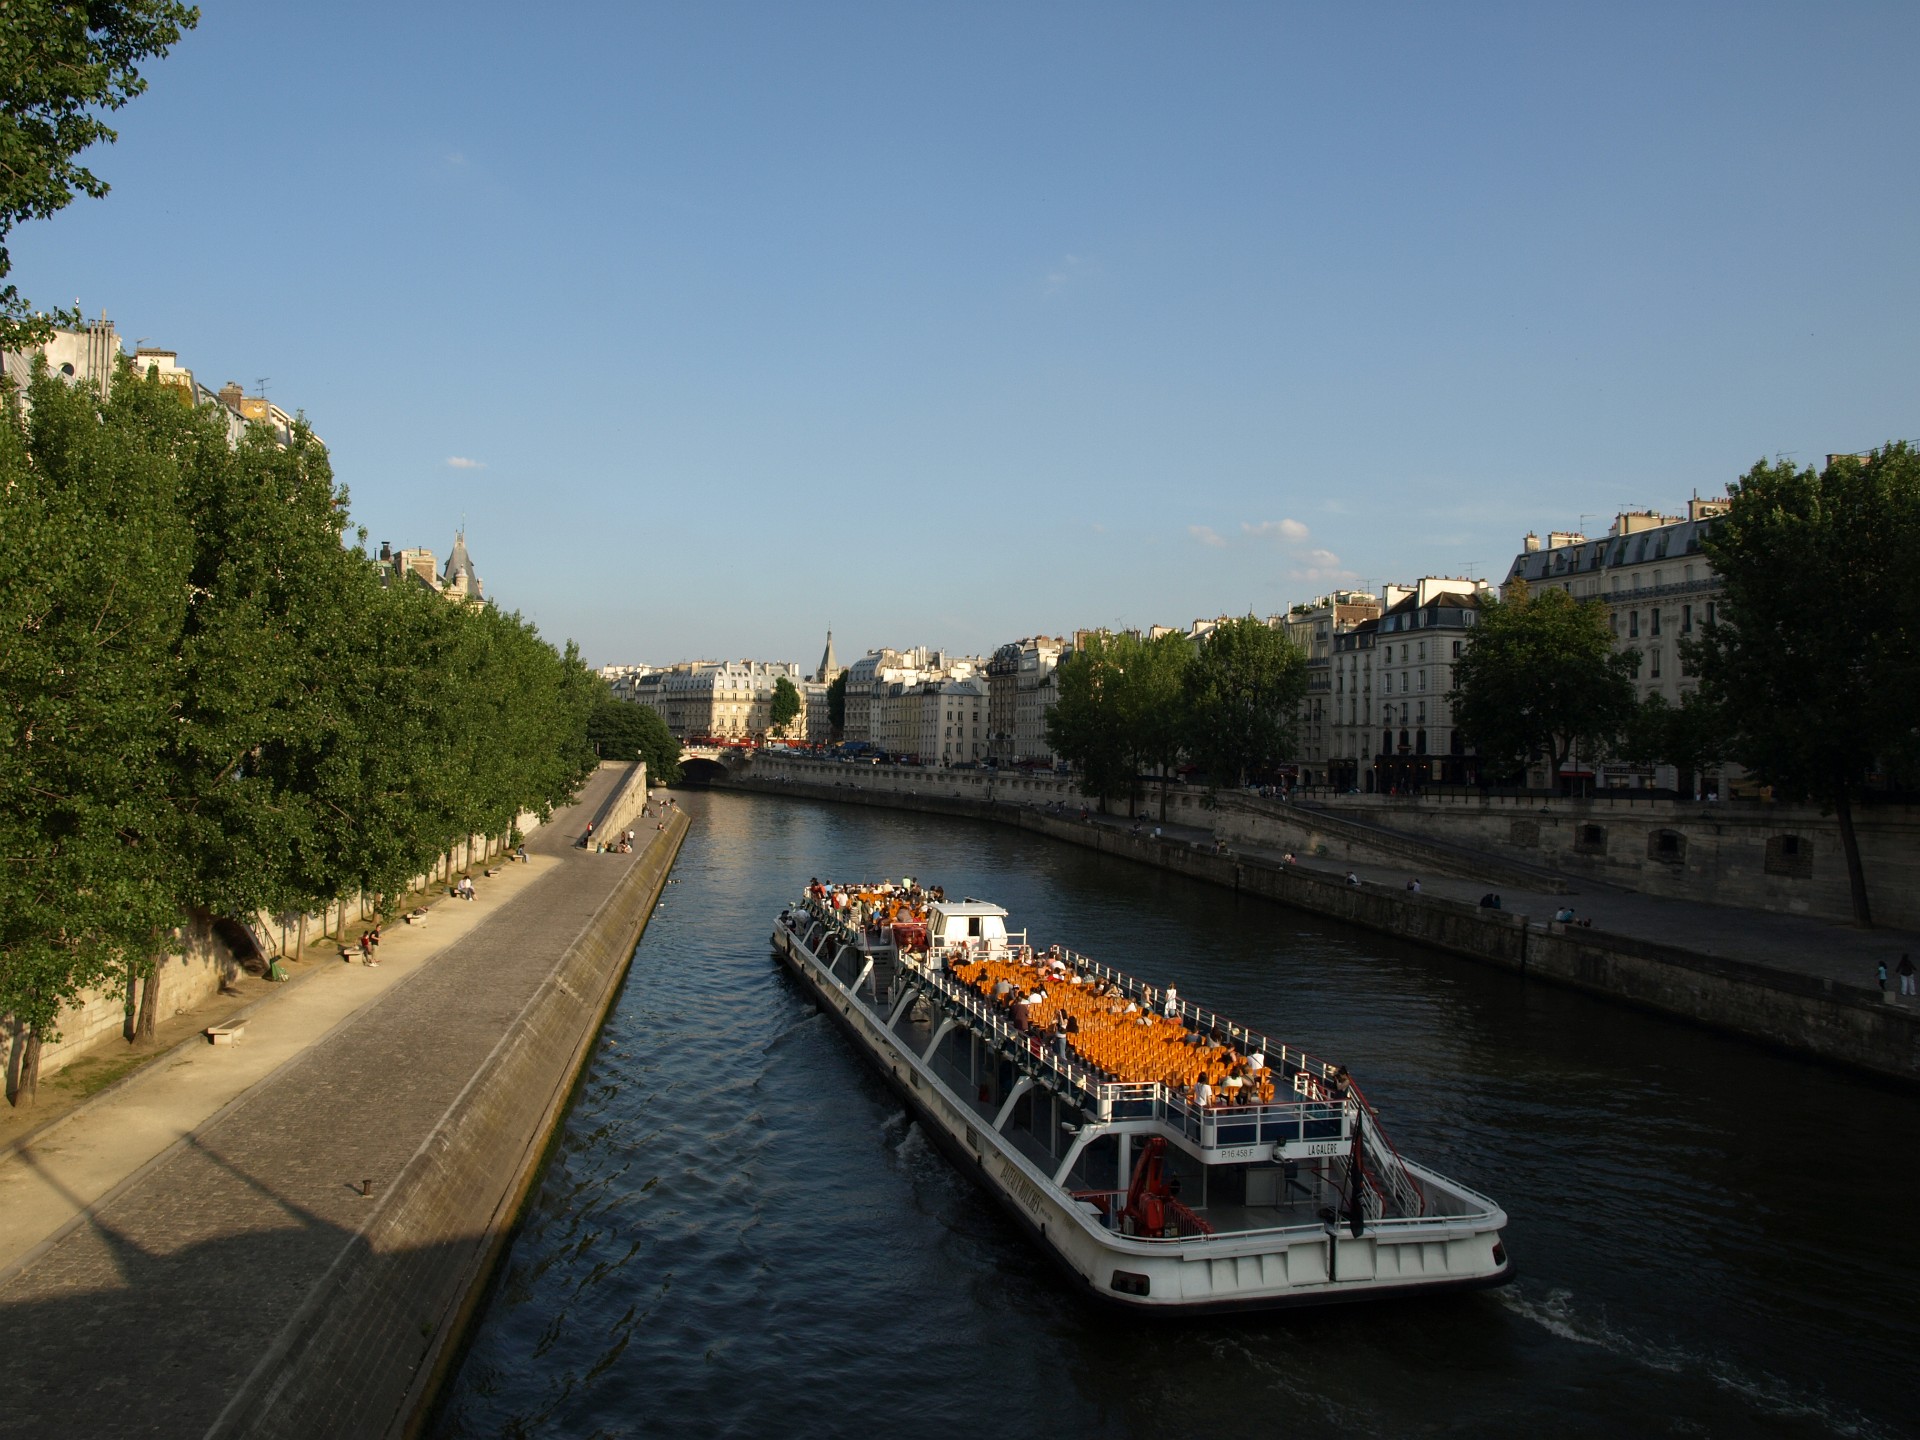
point(1088, 726)
point(1539, 680)
point(1156, 706)
point(624, 731)
point(61, 66)
point(1242, 692)
point(1812, 655)
point(92, 592)
point(1690, 736)
point(837, 704)
point(785, 704)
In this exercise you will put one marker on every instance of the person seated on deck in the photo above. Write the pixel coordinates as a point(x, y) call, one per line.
point(1203, 1092)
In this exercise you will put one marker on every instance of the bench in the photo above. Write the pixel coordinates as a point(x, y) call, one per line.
point(226, 1034)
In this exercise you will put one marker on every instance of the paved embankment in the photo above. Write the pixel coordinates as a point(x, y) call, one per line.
point(1803, 984)
point(236, 1280)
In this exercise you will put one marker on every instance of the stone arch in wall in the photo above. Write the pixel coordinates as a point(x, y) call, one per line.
point(1667, 846)
point(1790, 855)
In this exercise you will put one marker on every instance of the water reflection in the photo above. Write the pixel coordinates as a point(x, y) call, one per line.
point(740, 1233)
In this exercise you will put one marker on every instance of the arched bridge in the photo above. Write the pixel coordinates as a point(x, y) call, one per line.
point(703, 764)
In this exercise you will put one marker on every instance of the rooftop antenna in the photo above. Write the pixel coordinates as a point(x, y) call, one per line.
point(261, 385)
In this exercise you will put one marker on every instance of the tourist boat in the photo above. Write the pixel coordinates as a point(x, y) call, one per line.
point(1094, 1140)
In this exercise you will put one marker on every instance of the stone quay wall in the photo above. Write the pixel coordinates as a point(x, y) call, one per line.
point(1799, 1013)
point(437, 1240)
point(1751, 853)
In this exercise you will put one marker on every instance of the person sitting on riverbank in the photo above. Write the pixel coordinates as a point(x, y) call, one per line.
point(1352, 879)
point(1489, 901)
point(1564, 915)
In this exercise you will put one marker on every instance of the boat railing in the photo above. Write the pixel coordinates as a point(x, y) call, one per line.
point(1283, 1059)
point(1330, 1110)
point(1029, 1047)
point(1400, 1228)
point(1211, 1127)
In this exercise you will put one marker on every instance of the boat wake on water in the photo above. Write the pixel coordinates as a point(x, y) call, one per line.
point(1558, 1314)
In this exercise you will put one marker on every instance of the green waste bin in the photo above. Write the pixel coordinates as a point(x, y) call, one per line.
point(276, 971)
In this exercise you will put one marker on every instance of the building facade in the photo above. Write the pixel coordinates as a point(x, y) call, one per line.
point(1659, 589)
point(1390, 705)
point(1313, 627)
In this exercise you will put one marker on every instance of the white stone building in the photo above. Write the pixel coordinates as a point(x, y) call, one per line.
point(1390, 709)
point(1659, 589)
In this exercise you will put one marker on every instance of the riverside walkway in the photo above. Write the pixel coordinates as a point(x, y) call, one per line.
point(1765, 939)
point(193, 1253)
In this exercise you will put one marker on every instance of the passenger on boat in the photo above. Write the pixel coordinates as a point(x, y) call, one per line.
point(1203, 1092)
point(1171, 1007)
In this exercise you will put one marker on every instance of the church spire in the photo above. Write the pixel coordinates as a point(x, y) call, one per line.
point(828, 669)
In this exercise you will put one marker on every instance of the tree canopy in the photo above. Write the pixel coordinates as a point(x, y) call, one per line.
point(620, 730)
point(1088, 725)
point(1243, 693)
point(1814, 656)
point(1540, 680)
point(62, 66)
point(212, 706)
point(1689, 736)
point(837, 703)
point(784, 705)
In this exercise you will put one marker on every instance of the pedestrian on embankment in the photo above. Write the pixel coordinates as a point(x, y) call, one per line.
point(1905, 972)
point(1880, 969)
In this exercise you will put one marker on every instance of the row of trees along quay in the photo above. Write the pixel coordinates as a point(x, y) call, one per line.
point(1129, 705)
point(212, 705)
point(1808, 676)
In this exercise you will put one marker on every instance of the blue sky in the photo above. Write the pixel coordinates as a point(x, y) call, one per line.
point(947, 325)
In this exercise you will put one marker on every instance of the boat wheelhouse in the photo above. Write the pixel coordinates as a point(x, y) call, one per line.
point(1167, 1157)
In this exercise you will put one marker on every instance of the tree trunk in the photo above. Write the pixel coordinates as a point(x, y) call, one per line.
point(28, 1087)
point(1856, 874)
point(149, 1021)
point(129, 1027)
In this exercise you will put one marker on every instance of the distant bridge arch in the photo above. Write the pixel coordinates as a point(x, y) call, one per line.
point(708, 764)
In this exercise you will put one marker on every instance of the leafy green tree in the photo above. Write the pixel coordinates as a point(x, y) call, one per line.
point(1156, 704)
point(1540, 679)
point(837, 704)
point(784, 706)
point(92, 590)
point(1690, 736)
point(624, 731)
point(1813, 654)
point(62, 65)
point(1088, 726)
point(1243, 690)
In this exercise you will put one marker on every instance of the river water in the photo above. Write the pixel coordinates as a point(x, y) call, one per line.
point(739, 1233)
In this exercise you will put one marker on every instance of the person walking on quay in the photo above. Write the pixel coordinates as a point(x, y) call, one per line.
point(1881, 970)
point(1905, 971)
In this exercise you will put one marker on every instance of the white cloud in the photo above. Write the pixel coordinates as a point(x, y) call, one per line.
point(1290, 531)
point(1207, 535)
point(461, 462)
point(1067, 270)
point(1321, 567)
